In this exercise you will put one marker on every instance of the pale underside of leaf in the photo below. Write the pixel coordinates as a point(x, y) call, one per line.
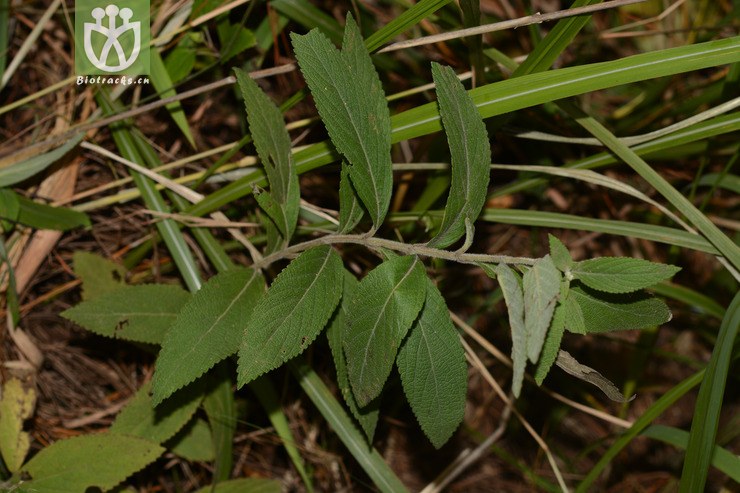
point(471, 158)
point(514, 297)
point(292, 313)
point(541, 288)
point(16, 406)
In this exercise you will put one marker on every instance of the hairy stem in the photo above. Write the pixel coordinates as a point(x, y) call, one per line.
point(397, 246)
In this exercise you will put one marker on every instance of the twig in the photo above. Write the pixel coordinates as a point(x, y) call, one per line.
point(510, 24)
point(397, 246)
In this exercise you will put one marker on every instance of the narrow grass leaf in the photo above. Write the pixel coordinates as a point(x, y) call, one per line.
point(709, 404)
point(552, 345)
point(384, 305)
point(662, 234)
point(208, 329)
point(141, 419)
point(471, 157)
point(163, 84)
point(352, 105)
point(727, 181)
point(273, 147)
point(559, 254)
point(511, 285)
point(604, 312)
point(621, 274)
point(249, 485)
point(651, 413)
point(541, 286)
point(292, 313)
point(721, 458)
point(42, 216)
point(101, 460)
point(556, 41)
point(16, 406)
point(367, 416)
point(141, 313)
point(571, 366)
point(434, 373)
point(699, 301)
point(264, 389)
point(408, 19)
point(368, 458)
point(350, 207)
point(10, 207)
point(16, 173)
point(310, 17)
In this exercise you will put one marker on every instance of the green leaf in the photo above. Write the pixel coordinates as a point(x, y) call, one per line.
point(603, 312)
point(16, 406)
point(559, 254)
point(17, 172)
point(10, 207)
point(140, 313)
point(721, 458)
point(98, 274)
point(709, 403)
point(368, 415)
point(552, 345)
point(572, 367)
point(352, 105)
point(265, 391)
point(194, 442)
point(235, 39)
point(75, 464)
point(409, 18)
point(541, 288)
point(292, 313)
point(367, 457)
point(350, 207)
point(621, 274)
point(208, 329)
point(163, 85)
point(221, 411)
point(141, 419)
point(471, 158)
point(181, 60)
point(42, 216)
point(309, 16)
point(434, 374)
point(514, 296)
point(273, 146)
point(244, 485)
point(382, 309)
point(573, 315)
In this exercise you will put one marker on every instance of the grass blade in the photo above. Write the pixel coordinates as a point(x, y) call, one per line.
point(404, 22)
point(163, 84)
point(265, 392)
point(368, 458)
point(709, 404)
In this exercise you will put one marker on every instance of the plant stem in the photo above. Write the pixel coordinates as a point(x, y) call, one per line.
point(405, 248)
